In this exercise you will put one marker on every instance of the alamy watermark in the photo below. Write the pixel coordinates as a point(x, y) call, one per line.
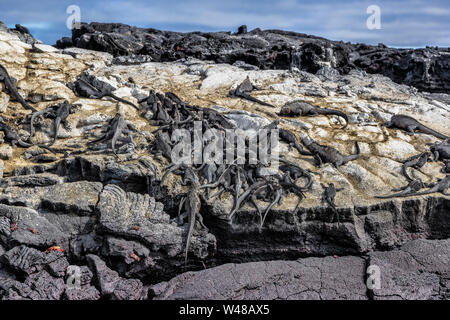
point(374, 20)
point(226, 146)
point(373, 281)
point(73, 21)
point(73, 280)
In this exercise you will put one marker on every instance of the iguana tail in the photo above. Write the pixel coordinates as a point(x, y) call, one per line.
point(57, 122)
point(332, 205)
point(405, 173)
point(400, 194)
point(411, 194)
point(192, 217)
point(36, 114)
point(28, 145)
point(24, 103)
point(24, 144)
point(427, 130)
point(334, 112)
point(249, 97)
point(123, 101)
point(302, 151)
point(353, 156)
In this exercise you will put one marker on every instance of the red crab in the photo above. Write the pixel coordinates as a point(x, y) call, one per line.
point(13, 227)
point(135, 257)
point(33, 230)
point(54, 248)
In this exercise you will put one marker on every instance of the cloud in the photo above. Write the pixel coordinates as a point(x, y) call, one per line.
point(412, 23)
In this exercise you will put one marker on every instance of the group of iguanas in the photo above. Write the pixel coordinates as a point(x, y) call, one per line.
point(438, 151)
point(85, 86)
point(245, 182)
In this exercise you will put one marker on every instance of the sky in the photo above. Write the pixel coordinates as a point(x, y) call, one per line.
point(415, 23)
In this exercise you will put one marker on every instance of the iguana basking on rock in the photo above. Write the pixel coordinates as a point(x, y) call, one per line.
point(294, 171)
point(117, 126)
point(291, 139)
point(300, 108)
point(329, 193)
point(244, 89)
point(440, 186)
point(192, 205)
point(416, 162)
point(84, 88)
point(12, 137)
point(10, 85)
point(410, 189)
point(441, 151)
point(446, 167)
point(409, 124)
point(59, 113)
point(161, 145)
point(287, 136)
point(327, 154)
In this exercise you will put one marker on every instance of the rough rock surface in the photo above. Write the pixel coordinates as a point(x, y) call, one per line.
point(426, 69)
point(111, 216)
point(406, 273)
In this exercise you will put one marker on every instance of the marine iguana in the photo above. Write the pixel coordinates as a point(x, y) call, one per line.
point(60, 115)
point(161, 145)
point(409, 124)
point(12, 137)
point(294, 171)
point(329, 193)
point(288, 137)
point(192, 206)
point(271, 192)
point(244, 89)
point(327, 154)
point(10, 85)
point(117, 126)
point(412, 187)
point(82, 87)
point(291, 139)
point(440, 186)
point(446, 167)
point(441, 151)
point(300, 108)
point(416, 162)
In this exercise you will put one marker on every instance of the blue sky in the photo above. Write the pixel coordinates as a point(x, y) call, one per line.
point(415, 23)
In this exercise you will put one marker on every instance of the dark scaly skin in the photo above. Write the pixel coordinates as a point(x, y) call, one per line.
point(118, 125)
point(409, 124)
point(287, 136)
point(162, 146)
point(446, 167)
point(440, 186)
point(243, 91)
point(329, 193)
point(415, 162)
point(327, 154)
point(298, 108)
point(6, 79)
point(60, 115)
point(12, 137)
point(243, 197)
point(192, 205)
point(295, 172)
point(441, 151)
point(120, 128)
point(410, 189)
point(91, 92)
point(290, 138)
